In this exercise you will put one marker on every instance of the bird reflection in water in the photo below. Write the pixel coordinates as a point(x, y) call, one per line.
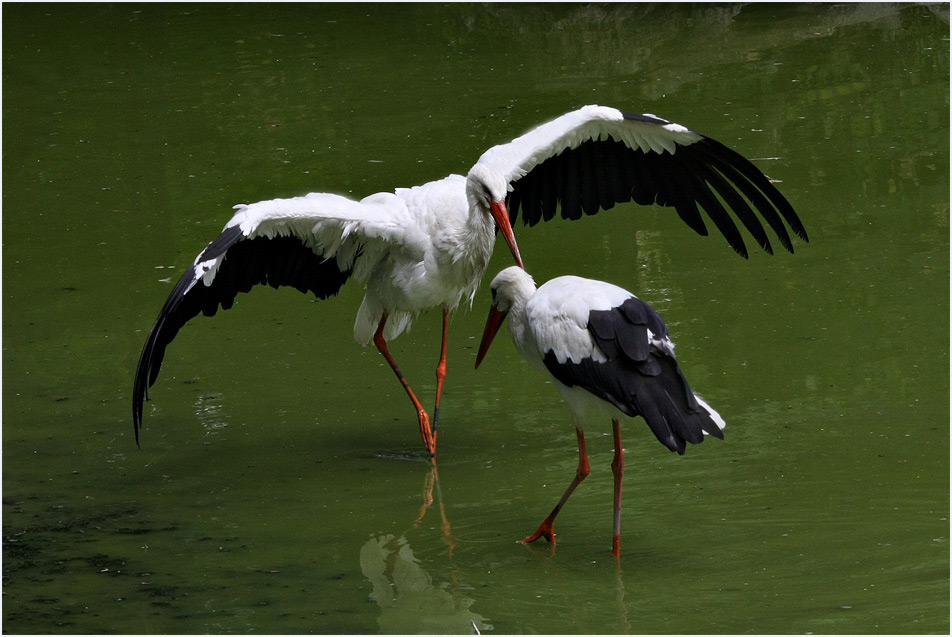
point(409, 600)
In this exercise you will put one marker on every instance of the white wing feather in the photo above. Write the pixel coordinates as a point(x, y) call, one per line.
point(337, 227)
point(518, 157)
point(558, 316)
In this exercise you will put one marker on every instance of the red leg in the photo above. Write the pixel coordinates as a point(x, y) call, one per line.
point(425, 432)
point(440, 375)
point(618, 468)
point(545, 529)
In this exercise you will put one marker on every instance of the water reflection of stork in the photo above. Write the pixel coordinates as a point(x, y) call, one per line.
point(409, 600)
point(609, 354)
point(427, 247)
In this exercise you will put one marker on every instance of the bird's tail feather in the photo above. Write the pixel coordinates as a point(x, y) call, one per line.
point(673, 412)
point(714, 416)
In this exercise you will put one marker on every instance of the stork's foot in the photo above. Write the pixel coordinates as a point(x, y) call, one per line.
point(427, 433)
point(545, 530)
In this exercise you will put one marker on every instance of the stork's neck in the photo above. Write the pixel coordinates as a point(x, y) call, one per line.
point(478, 236)
point(518, 320)
point(483, 184)
point(521, 338)
point(480, 225)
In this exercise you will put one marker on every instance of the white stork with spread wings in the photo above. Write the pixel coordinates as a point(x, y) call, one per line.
point(428, 246)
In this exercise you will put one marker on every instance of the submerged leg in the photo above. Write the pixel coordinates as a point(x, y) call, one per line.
point(425, 432)
point(618, 468)
point(440, 375)
point(545, 529)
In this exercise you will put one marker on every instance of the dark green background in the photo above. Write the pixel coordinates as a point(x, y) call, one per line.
point(279, 486)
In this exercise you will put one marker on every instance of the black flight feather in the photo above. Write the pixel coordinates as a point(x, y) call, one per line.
point(640, 380)
point(600, 173)
point(278, 262)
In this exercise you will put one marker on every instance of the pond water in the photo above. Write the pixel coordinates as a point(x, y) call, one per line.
point(280, 486)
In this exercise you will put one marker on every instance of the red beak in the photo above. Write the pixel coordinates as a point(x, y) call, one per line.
point(493, 323)
point(501, 215)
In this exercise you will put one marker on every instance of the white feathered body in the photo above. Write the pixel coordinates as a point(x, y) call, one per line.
point(415, 249)
point(555, 320)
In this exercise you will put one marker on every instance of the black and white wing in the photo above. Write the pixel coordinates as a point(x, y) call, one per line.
point(313, 243)
point(615, 346)
point(593, 158)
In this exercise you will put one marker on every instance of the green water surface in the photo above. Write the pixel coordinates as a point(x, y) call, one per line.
point(280, 486)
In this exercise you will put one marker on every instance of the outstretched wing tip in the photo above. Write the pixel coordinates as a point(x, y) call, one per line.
point(738, 246)
point(136, 418)
point(802, 233)
point(232, 263)
point(677, 167)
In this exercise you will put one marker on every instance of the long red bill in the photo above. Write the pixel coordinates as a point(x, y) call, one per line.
point(493, 323)
point(501, 215)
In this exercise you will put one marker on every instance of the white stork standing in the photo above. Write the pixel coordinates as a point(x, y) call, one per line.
point(610, 354)
point(428, 246)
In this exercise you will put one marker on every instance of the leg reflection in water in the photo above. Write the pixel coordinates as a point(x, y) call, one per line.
point(409, 600)
point(431, 483)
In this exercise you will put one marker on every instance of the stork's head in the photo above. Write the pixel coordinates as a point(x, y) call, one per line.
point(486, 192)
point(512, 286)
